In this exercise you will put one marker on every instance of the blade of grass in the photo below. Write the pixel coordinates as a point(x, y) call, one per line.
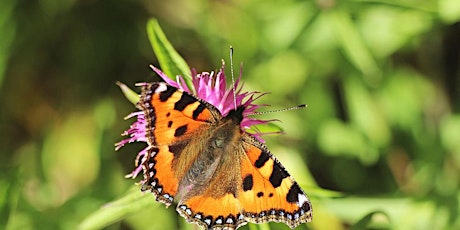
point(171, 63)
point(133, 201)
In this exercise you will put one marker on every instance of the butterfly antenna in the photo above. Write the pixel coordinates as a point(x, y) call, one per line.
point(233, 78)
point(279, 110)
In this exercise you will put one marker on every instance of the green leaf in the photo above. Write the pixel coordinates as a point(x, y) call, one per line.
point(269, 127)
point(368, 220)
point(171, 63)
point(132, 202)
point(132, 96)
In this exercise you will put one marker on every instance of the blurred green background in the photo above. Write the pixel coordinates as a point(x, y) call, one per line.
point(381, 79)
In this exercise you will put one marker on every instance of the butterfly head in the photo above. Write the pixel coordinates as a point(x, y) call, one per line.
point(236, 115)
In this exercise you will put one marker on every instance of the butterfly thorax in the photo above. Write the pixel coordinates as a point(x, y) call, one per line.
point(219, 144)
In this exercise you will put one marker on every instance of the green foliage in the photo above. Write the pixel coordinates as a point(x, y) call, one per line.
point(377, 147)
point(8, 31)
point(172, 64)
point(133, 201)
point(132, 96)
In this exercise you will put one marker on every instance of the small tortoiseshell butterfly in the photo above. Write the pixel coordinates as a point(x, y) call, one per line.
point(221, 176)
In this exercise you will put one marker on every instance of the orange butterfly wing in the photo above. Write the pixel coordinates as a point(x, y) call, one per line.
point(171, 116)
point(268, 192)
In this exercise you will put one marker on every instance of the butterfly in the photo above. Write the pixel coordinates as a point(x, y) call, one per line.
point(220, 176)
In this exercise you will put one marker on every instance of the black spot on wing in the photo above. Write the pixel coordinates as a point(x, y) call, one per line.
point(165, 95)
point(260, 194)
point(177, 148)
point(198, 110)
point(293, 194)
point(264, 156)
point(278, 174)
point(247, 183)
point(180, 131)
point(170, 124)
point(183, 102)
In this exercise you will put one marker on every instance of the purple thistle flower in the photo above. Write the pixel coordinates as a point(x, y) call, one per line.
point(136, 133)
point(209, 87)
